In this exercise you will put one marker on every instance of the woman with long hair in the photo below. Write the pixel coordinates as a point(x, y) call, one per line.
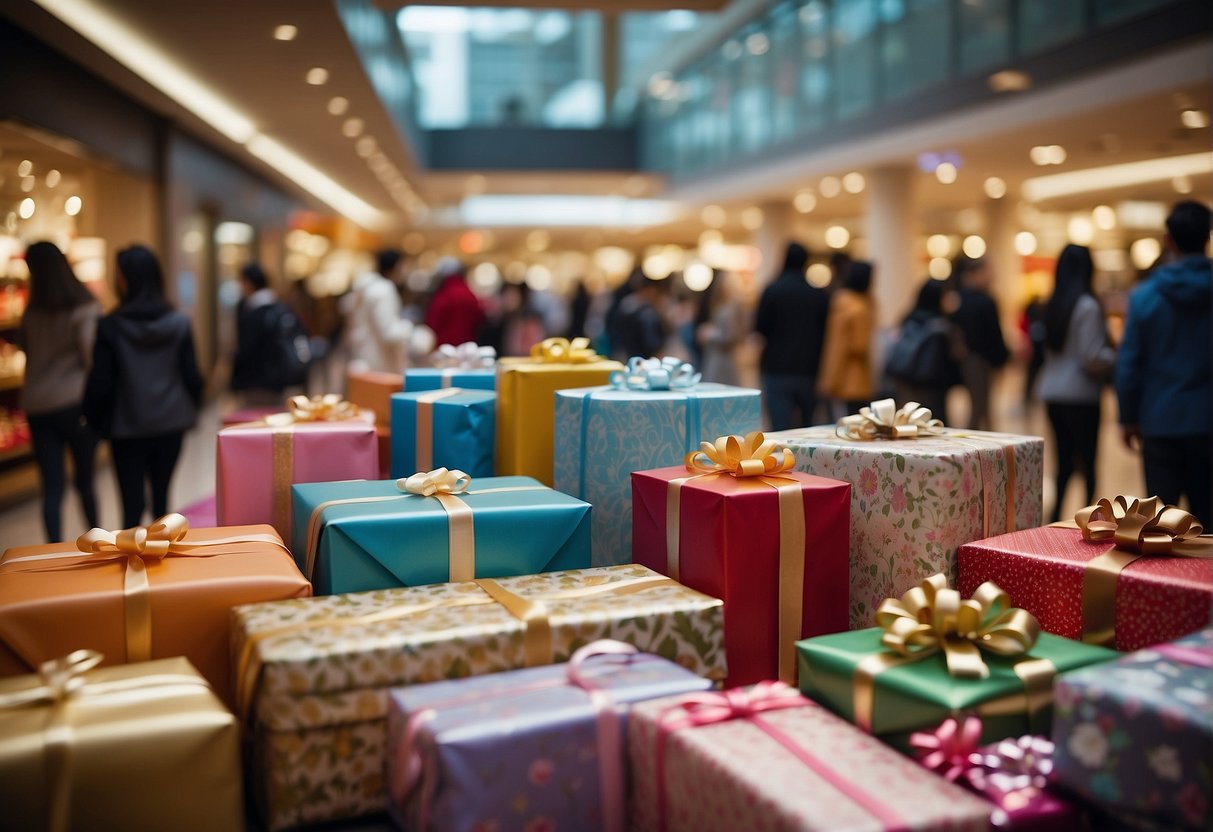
point(846, 363)
point(144, 388)
point(1078, 360)
point(57, 333)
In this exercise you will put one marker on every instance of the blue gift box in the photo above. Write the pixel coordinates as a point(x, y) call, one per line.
point(450, 428)
point(367, 535)
point(603, 434)
point(421, 379)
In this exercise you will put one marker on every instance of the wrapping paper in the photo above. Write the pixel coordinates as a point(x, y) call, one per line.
point(920, 694)
point(460, 428)
point(405, 540)
point(421, 379)
point(47, 614)
point(151, 749)
point(529, 735)
point(1157, 598)
point(729, 545)
point(915, 501)
point(526, 392)
point(320, 704)
point(372, 390)
point(257, 464)
point(603, 435)
point(733, 775)
point(1136, 735)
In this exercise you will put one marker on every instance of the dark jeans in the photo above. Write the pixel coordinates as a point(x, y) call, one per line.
point(977, 374)
point(1076, 429)
point(791, 400)
point(1178, 465)
point(138, 462)
point(50, 434)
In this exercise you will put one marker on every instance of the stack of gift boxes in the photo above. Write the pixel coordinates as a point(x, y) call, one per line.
point(594, 596)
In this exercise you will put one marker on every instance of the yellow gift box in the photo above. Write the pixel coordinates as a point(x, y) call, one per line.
point(526, 401)
point(135, 747)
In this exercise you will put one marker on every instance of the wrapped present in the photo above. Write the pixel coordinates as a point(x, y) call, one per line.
point(318, 440)
point(372, 390)
point(1126, 573)
point(314, 676)
point(603, 434)
point(467, 365)
point(920, 491)
point(526, 389)
point(145, 593)
point(434, 527)
point(735, 523)
point(1136, 735)
point(767, 758)
point(464, 752)
point(143, 746)
point(1015, 774)
point(449, 428)
point(936, 655)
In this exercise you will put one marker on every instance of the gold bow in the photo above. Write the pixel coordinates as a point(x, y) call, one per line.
point(327, 408)
point(433, 483)
point(564, 351)
point(1144, 526)
point(61, 678)
point(932, 617)
point(143, 542)
point(884, 420)
point(751, 456)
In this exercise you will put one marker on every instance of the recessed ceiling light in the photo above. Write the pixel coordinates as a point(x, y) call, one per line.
point(830, 187)
point(804, 201)
point(338, 105)
point(351, 128)
point(946, 172)
point(52, 178)
point(285, 32)
point(1047, 154)
point(365, 146)
point(25, 168)
point(1194, 119)
point(853, 182)
point(317, 75)
point(995, 187)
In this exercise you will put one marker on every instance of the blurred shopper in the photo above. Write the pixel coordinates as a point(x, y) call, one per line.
point(1032, 328)
point(923, 359)
point(273, 351)
point(144, 388)
point(840, 267)
point(1078, 360)
point(377, 336)
point(57, 334)
point(792, 318)
point(579, 311)
point(455, 314)
point(1163, 370)
point(985, 350)
point(641, 325)
point(846, 361)
point(726, 326)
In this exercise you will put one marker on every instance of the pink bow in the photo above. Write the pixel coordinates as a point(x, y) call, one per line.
point(950, 749)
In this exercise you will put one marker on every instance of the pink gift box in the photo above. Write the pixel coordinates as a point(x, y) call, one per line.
point(256, 465)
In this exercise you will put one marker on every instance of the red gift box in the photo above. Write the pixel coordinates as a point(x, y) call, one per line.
point(1157, 599)
point(727, 544)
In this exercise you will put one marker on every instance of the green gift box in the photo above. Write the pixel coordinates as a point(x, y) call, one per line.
point(909, 694)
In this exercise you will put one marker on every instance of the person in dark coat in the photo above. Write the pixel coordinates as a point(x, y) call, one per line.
point(985, 350)
point(922, 361)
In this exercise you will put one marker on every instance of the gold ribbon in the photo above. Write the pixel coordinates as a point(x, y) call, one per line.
point(884, 420)
point(327, 408)
point(753, 458)
point(135, 548)
point(425, 424)
point(564, 351)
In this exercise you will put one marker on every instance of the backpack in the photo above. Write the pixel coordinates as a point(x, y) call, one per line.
point(287, 350)
point(922, 354)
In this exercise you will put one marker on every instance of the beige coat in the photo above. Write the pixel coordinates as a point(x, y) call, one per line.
point(846, 362)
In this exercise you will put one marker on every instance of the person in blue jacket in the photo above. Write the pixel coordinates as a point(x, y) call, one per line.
point(1163, 369)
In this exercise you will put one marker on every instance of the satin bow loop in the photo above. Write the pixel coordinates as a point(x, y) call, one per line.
point(949, 749)
point(327, 408)
point(884, 420)
point(564, 351)
point(932, 617)
point(1145, 526)
point(668, 373)
point(438, 481)
point(467, 356)
point(750, 456)
point(147, 542)
point(1011, 765)
point(739, 703)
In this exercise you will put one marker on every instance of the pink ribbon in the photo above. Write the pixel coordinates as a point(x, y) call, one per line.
point(749, 704)
point(1185, 655)
point(948, 751)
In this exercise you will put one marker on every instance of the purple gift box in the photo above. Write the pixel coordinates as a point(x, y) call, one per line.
point(531, 750)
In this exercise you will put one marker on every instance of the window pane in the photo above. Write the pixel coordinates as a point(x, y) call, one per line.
point(753, 99)
point(816, 71)
point(916, 46)
point(1045, 23)
point(985, 34)
point(785, 44)
point(855, 55)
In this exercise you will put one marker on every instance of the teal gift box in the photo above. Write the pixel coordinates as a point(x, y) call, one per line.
point(603, 434)
point(367, 535)
point(421, 379)
point(451, 428)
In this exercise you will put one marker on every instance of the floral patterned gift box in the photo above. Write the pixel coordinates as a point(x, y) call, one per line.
point(314, 678)
point(1136, 735)
point(916, 499)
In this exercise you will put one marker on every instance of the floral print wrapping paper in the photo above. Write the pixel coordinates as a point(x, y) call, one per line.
point(915, 501)
point(1136, 735)
point(320, 731)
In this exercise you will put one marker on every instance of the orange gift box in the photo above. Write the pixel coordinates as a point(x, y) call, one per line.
point(372, 390)
point(56, 598)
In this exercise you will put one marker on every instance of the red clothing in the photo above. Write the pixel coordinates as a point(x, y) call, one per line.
point(455, 314)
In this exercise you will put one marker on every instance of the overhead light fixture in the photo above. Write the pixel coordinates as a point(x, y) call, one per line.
point(317, 75)
point(1182, 185)
point(829, 187)
point(1125, 175)
point(53, 177)
point(1104, 217)
point(757, 44)
point(338, 105)
point(752, 218)
point(1025, 243)
point(285, 32)
point(946, 173)
point(1145, 252)
point(1009, 80)
point(1047, 154)
point(1194, 119)
point(551, 211)
point(938, 245)
point(365, 146)
point(26, 209)
point(27, 184)
point(25, 168)
point(697, 276)
point(804, 202)
point(713, 216)
point(939, 268)
point(314, 181)
point(837, 236)
point(973, 246)
point(995, 187)
point(853, 182)
point(351, 128)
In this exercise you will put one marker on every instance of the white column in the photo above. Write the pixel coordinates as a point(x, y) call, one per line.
point(1004, 263)
point(771, 239)
point(891, 229)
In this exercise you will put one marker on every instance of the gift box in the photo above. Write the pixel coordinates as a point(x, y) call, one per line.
point(449, 428)
point(257, 463)
point(936, 656)
point(421, 379)
point(141, 747)
point(767, 758)
point(526, 391)
point(356, 536)
point(1136, 735)
point(136, 598)
point(773, 547)
point(315, 675)
point(916, 500)
point(603, 434)
point(1095, 590)
point(463, 752)
point(372, 390)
